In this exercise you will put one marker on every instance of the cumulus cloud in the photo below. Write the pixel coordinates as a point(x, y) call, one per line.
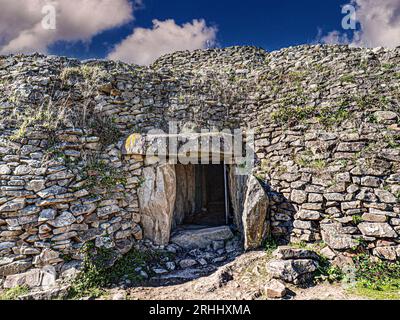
point(21, 28)
point(380, 22)
point(379, 25)
point(335, 37)
point(144, 46)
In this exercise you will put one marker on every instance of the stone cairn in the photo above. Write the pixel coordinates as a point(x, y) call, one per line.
point(327, 141)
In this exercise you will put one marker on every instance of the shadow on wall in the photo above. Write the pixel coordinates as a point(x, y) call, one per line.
point(282, 213)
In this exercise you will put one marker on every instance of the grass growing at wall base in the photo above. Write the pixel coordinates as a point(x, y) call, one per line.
point(376, 279)
point(369, 277)
point(388, 293)
point(270, 245)
point(14, 293)
point(377, 274)
point(99, 272)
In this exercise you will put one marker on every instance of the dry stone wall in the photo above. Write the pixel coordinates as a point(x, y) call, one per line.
point(327, 129)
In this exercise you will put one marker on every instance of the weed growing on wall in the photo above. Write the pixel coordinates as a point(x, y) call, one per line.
point(99, 173)
point(270, 245)
point(327, 272)
point(86, 71)
point(105, 129)
point(326, 116)
point(47, 117)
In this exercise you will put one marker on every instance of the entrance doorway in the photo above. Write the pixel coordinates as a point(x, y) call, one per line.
point(202, 195)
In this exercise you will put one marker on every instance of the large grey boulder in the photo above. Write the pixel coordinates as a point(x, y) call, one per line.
point(201, 238)
point(157, 198)
point(335, 237)
point(254, 217)
point(293, 271)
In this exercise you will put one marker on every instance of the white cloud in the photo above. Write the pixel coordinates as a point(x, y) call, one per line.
point(144, 46)
point(21, 22)
point(335, 37)
point(379, 22)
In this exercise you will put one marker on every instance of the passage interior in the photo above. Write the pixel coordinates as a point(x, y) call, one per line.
point(200, 195)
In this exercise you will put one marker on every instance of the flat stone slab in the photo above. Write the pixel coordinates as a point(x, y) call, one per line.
point(288, 253)
point(184, 275)
point(201, 238)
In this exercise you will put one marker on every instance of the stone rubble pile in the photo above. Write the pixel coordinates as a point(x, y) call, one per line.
point(183, 263)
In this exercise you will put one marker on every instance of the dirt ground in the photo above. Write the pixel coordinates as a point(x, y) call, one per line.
point(242, 279)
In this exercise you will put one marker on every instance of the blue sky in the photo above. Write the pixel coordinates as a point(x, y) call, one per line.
point(269, 24)
point(140, 31)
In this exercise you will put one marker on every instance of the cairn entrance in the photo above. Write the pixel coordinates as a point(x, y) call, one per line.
point(202, 197)
point(202, 207)
point(192, 204)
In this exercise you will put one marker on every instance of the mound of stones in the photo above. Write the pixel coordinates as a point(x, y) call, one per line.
point(190, 262)
point(296, 266)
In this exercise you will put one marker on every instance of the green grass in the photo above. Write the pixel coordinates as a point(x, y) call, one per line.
point(393, 140)
point(376, 279)
point(306, 160)
point(14, 293)
point(383, 294)
point(327, 116)
point(300, 245)
point(357, 219)
point(292, 114)
point(348, 79)
point(364, 102)
point(372, 278)
point(97, 274)
point(270, 245)
point(377, 274)
point(388, 66)
point(327, 272)
point(47, 116)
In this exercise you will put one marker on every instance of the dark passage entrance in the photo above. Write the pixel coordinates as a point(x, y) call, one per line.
point(200, 195)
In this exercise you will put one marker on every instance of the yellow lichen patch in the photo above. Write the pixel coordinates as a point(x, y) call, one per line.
point(134, 144)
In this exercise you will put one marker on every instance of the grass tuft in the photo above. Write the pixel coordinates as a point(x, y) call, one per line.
point(14, 293)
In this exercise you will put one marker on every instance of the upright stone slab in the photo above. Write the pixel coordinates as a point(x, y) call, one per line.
point(254, 217)
point(157, 199)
